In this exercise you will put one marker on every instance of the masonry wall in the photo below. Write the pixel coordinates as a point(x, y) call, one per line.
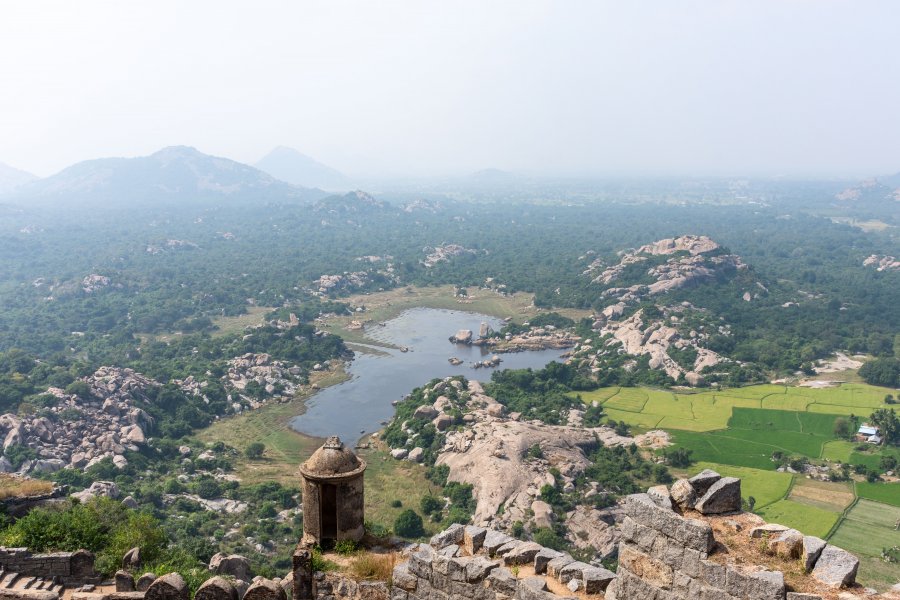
point(665, 556)
point(73, 568)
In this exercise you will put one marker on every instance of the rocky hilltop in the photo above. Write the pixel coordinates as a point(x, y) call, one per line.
point(80, 432)
point(674, 338)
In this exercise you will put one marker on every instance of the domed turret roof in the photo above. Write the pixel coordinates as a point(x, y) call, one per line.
point(332, 461)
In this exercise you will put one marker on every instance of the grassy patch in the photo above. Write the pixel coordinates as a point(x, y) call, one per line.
point(838, 450)
point(388, 480)
point(888, 493)
point(811, 520)
point(270, 425)
point(767, 487)
point(722, 448)
point(869, 527)
point(18, 487)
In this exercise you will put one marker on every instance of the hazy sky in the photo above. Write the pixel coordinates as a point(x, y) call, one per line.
point(434, 87)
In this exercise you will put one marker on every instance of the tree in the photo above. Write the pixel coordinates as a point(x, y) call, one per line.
point(842, 427)
point(255, 450)
point(888, 425)
point(409, 524)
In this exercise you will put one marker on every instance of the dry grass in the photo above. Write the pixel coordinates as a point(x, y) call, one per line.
point(371, 565)
point(823, 494)
point(738, 549)
point(20, 487)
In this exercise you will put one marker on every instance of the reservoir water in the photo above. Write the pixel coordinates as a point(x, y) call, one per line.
point(361, 403)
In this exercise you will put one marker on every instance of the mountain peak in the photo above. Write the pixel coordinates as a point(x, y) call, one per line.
point(291, 165)
point(11, 178)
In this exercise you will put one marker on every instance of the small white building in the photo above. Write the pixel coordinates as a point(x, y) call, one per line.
point(869, 434)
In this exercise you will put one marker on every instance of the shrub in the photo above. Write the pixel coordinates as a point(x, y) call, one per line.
point(409, 524)
point(255, 450)
point(396, 504)
point(345, 547)
point(430, 504)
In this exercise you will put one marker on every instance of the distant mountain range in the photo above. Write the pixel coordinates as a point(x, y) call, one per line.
point(295, 167)
point(175, 174)
point(11, 178)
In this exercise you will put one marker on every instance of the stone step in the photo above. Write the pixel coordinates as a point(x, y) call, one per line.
point(9, 580)
point(43, 584)
point(26, 583)
point(57, 588)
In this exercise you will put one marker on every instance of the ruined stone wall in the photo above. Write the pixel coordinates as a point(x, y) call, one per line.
point(73, 568)
point(666, 556)
point(473, 562)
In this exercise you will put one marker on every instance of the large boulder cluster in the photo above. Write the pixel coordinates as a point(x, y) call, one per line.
point(79, 433)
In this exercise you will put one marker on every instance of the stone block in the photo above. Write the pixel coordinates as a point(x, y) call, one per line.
point(235, 565)
point(451, 535)
point(690, 562)
point(702, 481)
point(683, 494)
point(695, 534)
point(835, 567)
point(765, 585)
point(216, 588)
point(653, 572)
point(543, 558)
point(735, 582)
point(170, 587)
point(596, 579)
point(493, 540)
point(144, 581)
point(502, 581)
point(522, 554)
point(767, 530)
point(660, 495)
point(557, 564)
point(264, 589)
point(402, 578)
point(473, 538)
point(812, 549)
point(788, 544)
point(712, 573)
point(421, 564)
point(723, 496)
point(479, 568)
point(124, 581)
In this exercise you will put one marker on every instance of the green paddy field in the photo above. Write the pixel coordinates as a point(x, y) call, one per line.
point(736, 432)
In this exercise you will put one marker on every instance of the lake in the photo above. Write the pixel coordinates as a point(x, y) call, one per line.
point(360, 404)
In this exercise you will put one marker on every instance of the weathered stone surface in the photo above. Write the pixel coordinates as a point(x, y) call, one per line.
point(801, 596)
point(264, 589)
point(216, 588)
point(402, 578)
point(168, 587)
point(652, 572)
point(812, 549)
point(683, 494)
point(473, 538)
point(144, 581)
point(558, 564)
point(543, 514)
point(234, 565)
point(124, 581)
point(723, 496)
point(543, 558)
point(421, 563)
point(416, 455)
point(596, 579)
point(502, 581)
point(766, 585)
point(479, 568)
point(769, 529)
point(494, 540)
point(835, 567)
point(426, 411)
point(451, 535)
point(788, 544)
point(522, 554)
point(702, 481)
point(660, 495)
